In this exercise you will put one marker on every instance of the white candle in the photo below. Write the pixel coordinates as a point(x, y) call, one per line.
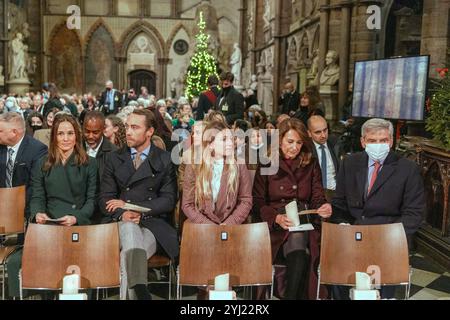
point(222, 282)
point(363, 281)
point(71, 284)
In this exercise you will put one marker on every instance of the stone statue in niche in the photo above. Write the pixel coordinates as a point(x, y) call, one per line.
point(330, 75)
point(304, 52)
point(313, 72)
point(2, 77)
point(32, 65)
point(18, 52)
point(292, 55)
point(236, 64)
point(254, 83)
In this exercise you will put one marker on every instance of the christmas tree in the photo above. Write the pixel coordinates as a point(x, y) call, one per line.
point(203, 64)
point(438, 121)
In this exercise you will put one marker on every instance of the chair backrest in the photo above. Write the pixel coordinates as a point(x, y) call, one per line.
point(12, 210)
point(245, 255)
point(383, 246)
point(50, 250)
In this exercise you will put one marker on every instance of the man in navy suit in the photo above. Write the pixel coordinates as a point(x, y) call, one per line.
point(141, 175)
point(110, 101)
point(324, 152)
point(19, 154)
point(378, 186)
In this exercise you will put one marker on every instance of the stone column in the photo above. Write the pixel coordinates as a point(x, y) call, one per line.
point(344, 53)
point(242, 15)
point(324, 31)
point(435, 33)
point(3, 39)
point(162, 81)
point(278, 44)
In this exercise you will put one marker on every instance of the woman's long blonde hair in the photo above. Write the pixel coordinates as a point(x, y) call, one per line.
point(204, 171)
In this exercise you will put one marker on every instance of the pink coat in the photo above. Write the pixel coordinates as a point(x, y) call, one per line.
point(229, 208)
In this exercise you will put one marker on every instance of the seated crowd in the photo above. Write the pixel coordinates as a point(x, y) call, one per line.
point(84, 159)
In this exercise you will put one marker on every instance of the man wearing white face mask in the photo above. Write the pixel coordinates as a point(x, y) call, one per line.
point(378, 186)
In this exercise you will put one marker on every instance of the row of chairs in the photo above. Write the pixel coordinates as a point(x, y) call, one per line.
point(243, 251)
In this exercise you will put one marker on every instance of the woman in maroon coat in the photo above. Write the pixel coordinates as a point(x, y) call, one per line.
point(298, 178)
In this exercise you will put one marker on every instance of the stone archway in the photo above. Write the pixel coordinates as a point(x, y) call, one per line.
point(143, 49)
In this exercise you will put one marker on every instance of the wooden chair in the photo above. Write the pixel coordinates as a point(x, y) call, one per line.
point(159, 261)
point(12, 212)
point(50, 250)
point(342, 254)
point(245, 255)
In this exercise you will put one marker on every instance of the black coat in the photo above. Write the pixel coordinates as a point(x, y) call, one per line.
point(117, 102)
point(235, 102)
point(205, 103)
point(397, 195)
point(28, 155)
point(289, 102)
point(153, 185)
point(102, 155)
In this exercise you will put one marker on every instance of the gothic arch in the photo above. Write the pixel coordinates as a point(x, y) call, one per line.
point(56, 29)
point(98, 24)
point(147, 28)
point(174, 33)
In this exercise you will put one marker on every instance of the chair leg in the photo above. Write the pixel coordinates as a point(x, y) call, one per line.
point(170, 280)
point(318, 283)
point(20, 284)
point(3, 281)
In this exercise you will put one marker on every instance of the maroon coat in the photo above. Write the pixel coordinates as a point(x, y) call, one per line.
point(229, 208)
point(272, 193)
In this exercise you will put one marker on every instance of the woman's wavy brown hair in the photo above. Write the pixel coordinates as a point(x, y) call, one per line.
point(54, 155)
point(298, 126)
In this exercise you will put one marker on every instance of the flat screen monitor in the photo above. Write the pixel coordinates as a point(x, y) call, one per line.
point(392, 88)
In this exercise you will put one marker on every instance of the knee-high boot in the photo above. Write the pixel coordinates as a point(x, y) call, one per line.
point(296, 268)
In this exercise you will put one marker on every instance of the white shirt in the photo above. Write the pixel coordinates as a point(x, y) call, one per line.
point(216, 178)
point(331, 170)
point(93, 152)
point(16, 150)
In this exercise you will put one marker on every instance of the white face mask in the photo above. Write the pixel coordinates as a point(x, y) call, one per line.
point(378, 151)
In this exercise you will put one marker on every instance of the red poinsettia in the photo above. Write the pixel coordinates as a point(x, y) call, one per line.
point(442, 72)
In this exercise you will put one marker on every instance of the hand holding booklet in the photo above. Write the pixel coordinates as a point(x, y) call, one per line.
point(135, 208)
point(293, 215)
point(54, 221)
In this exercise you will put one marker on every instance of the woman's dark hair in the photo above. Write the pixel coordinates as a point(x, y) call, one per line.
point(54, 156)
point(298, 126)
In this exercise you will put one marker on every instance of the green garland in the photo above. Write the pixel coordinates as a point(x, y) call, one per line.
point(438, 122)
point(203, 64)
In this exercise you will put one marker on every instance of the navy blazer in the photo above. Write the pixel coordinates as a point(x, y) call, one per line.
point(397, 195)
point(331, 147)
point(153, 185)
point(28, 155)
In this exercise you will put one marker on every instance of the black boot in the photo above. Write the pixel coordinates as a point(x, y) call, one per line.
point(296, 263)
point(304, 270)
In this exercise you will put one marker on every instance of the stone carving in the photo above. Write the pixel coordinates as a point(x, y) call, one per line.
point(211, 25)
point(254, 83)
point(304, 51)
point(313, 72)
point(265, 82)
point(2, 77)
point(330, 75)
point(292, 55)
point(141, 53)
point(236, 64)
point(32, 65)
point(310, 6)
point(18, 52)
point(173, 88)
point(267, 13)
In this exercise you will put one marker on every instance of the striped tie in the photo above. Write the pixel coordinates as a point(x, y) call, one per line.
point(9, 168)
